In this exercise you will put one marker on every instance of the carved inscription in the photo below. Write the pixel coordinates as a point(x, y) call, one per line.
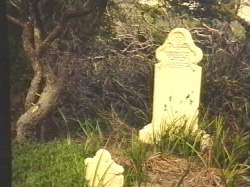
point(179, 48)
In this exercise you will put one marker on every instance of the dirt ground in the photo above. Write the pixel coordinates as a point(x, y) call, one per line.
point(170, 171)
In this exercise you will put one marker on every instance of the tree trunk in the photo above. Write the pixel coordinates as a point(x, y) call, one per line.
point(46, 86)
point(48, 98)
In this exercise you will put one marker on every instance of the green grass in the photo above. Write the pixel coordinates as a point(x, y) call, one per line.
point(58, 163)
point(53, 164)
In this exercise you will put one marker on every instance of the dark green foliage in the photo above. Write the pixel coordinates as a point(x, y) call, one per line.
point(117, 71)
point(111, 77)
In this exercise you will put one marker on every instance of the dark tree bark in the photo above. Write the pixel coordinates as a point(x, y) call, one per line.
point(46, 85)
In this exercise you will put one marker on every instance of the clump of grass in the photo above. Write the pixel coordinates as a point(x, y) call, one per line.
point(94, 138)
point(137, 153)
point(51, 164)
point(230, 152)
point(179, 139)
point(88, 130)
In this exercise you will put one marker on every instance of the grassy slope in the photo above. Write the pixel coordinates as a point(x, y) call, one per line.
point(52, 164)
point(61, 163)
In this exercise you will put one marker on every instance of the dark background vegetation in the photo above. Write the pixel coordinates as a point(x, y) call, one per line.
point(111, 75)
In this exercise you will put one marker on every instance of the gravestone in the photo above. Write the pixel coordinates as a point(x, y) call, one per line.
point(101, 170)
point(177, 82)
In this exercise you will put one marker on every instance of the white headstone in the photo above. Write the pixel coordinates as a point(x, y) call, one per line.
point(101, 170)
point(177, 82)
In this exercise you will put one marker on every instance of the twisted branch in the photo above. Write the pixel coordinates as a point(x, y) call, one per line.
point(15, 21)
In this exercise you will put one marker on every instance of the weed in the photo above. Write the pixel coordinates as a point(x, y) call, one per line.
point(94, 137)
point(229, 152)
point(137, 154)
point(180, 139)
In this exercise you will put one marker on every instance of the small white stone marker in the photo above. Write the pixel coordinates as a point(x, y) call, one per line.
point(102, 171)
point(177, 82)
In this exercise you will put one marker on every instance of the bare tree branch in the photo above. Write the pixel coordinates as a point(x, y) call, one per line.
point(237, 6)
point(14, 4)
point(28, 40)
point(60, 27)
point(36, 19)
point(15, 21)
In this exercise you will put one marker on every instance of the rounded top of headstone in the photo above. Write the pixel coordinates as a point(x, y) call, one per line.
point(179, 47)
point(244, 10)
